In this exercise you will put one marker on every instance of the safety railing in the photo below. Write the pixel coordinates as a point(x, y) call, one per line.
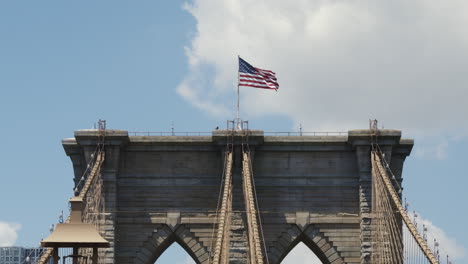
point(138, 133)
point(305, 133)
point(268, 133)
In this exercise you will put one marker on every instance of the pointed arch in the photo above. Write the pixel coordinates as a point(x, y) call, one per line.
point(299, 253)
point(311, 237)
point(175, 254)
point(159, 241)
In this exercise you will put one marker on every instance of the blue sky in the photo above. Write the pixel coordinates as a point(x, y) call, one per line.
point(142, 65)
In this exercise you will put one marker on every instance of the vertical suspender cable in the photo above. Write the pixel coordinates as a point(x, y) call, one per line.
point(377, 163)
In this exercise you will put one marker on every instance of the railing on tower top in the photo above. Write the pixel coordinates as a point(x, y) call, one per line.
point(139, 133)
point(267, 133)
point(305, 133)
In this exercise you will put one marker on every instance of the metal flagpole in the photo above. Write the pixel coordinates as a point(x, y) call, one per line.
point(238, 93)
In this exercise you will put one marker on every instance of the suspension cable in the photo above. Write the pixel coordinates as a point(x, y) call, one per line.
point(381, 173)
point(223, 211)
point(252, 207)
point(94, 168)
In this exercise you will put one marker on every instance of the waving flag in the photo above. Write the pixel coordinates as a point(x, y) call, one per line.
point(255, 77)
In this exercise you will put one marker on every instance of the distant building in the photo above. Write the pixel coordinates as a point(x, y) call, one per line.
point(19, 255)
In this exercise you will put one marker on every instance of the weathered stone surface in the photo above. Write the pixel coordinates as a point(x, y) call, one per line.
point(160, 190)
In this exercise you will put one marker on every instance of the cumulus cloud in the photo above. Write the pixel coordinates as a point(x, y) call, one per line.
point(8, 233)
point(338, 62)
point(301, 254)
point(447, 245)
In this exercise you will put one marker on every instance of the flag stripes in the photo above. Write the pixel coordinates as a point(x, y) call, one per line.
point(257, 78)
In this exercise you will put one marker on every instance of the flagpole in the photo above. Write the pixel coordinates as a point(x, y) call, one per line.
point(238, 93)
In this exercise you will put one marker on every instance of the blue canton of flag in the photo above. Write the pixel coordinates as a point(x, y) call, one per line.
point(255, 77)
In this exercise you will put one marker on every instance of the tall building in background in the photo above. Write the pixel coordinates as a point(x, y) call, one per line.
point(19, 255)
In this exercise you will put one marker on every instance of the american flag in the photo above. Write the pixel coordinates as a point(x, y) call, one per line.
point(255, 77)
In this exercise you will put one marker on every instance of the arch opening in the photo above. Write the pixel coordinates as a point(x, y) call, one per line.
point(301, 254)
point(175, 253)
point(164, 238)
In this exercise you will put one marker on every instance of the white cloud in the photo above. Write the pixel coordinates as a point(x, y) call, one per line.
point(339, 62)
point(8, 233)
point(447, 245)
point(194, 95)
point(301, 254)
point(432, 151)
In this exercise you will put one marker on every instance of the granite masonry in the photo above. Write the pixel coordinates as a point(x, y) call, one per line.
point(164, 189)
